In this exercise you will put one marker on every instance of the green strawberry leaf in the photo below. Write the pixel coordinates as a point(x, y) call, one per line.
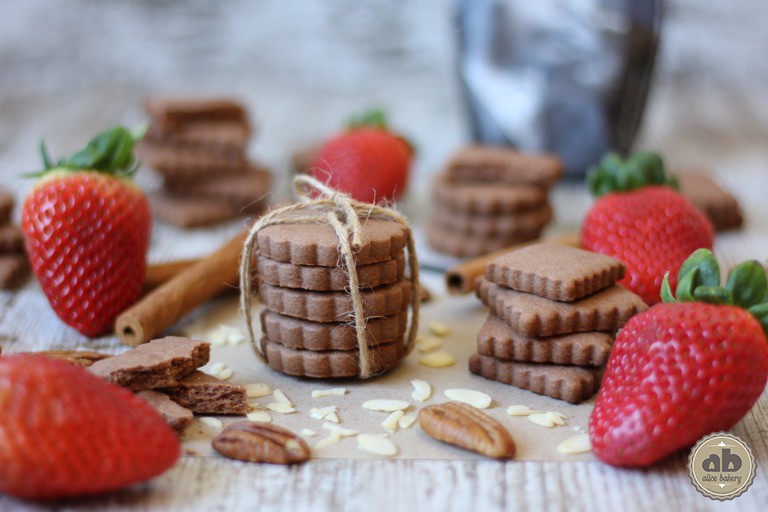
point(375, 118)
point(713, 295)
point(46, 157)
point(705, 262)
point(760, 312)
point(686, 284)
point(614, 174)
point(748, 284)
point(666, 290)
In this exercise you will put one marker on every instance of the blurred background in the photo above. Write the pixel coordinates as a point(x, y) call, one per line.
point(304, 66)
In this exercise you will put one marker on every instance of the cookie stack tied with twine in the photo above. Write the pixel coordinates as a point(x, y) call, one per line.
point(199, 147)
point(489, 198)
point(332, 277)
point(14, 267)
point(554, 314)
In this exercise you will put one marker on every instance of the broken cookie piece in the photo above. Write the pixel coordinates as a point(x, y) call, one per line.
point(178, 417)
point(157, 364)
point(206, 394)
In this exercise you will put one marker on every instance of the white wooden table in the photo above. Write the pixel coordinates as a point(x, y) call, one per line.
point(691, 126)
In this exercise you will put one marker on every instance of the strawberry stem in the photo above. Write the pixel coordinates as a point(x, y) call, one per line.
point(374, 118)
point(616, 174)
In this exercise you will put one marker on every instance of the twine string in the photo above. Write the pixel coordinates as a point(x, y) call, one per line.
point(323, 205)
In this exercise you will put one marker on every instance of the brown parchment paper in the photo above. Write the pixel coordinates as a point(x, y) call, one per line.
point(464, 315)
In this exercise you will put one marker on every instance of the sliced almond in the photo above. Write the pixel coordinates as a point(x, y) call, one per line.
point(281, 407)
point(217, 337)
point(439, 329)
point(332, 417)
point(439, 359)
point(319, 393)
point(332, 438)
point(259, 416)
point(406, 421)
point(521, 410)
point(422, 391)
point(280, 397)
point(216, 368)
point(575, 444)
point(556, 417)
point(257, 390)
point(226, 374)
point(208, 421)
point(391, 423)
point(378, 444)
point(428, 344)
point(467, 427)
point(542, 419)
point(469, 396)
point(308, 432)
point(341, 431)
point(385, 405)
point(320, 413)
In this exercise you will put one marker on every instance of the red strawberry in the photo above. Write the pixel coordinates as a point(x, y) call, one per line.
point(646, 224)
point(86, 230)
point(368, 162)
point(682, 370)
point(65, 432)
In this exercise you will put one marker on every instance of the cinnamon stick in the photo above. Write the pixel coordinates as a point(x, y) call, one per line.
point(159, 273)
point(163, 306)
point(461, 278)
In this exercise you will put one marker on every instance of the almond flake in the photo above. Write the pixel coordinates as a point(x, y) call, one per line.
point(259, 416)
point(378, 444)
point(406, 421)
point(218, 337)
point(320, 413)
point(556, 417)
point(541, 418)
point(439, 359)
point(340, 431)
point(385, 405)
point(575, 444)
point(521, 410)
point(319, 393)
point(281, 407)
point(332, 438)
point(439, 329)
point(257, 390)
point(280, 397)
point(209, 421)
point(333, 417)
point(391, 423)
point(468, 396)
point(308, 432)
point(422, 391)
point(216, 368)
point(428, 344)
point(226, 374)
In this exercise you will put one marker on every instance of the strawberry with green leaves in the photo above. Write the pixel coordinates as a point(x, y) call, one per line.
point(693, 365)
point(368, 161)
point(67, 433)
point(86, 230)
point(641, 219)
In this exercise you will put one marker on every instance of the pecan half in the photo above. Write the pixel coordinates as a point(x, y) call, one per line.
point(261, 442)
point(78, 357)
point(467, 427)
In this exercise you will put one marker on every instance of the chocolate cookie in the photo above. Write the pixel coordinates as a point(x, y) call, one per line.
point(336, 306)
point(497, 339)
point(11, 239)
point(6, 206)
point(240, 190)
point(573, 384)
point(175, 163)
point(554, 271)
point(193, 212)
point(217, 137)
point(312, 277)
point(462, 246)
point(506, 225)
point(14, 270)
point(503, 165)
point(205, 394)
point(172, 112)
point(719, 205)
point(317, 244)
point(486, 198)
point(330, 363)
point(178, 417)
point(304, 334)
point(535, 316)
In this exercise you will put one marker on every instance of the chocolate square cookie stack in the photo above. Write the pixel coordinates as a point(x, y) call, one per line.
point(489, 198)
point(199, 147)
point(308, 321)
point(14, 268)
point(554, 314)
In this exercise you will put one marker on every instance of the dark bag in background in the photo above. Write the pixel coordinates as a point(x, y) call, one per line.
point(569, 77)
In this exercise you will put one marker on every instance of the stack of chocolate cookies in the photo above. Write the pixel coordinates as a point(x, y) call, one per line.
point(14, 268)
point(199, 147)
point(489, 198)
point(554, 314)
point(308, 320)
